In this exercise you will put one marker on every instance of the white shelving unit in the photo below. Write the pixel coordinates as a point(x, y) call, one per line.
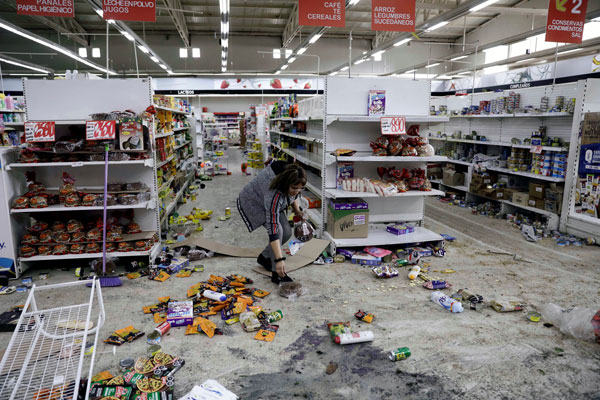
point(81, 98)
point(346, 125)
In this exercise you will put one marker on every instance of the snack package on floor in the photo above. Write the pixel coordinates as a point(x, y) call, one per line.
point(209, 390)
point(338, 328)
point(364, 316)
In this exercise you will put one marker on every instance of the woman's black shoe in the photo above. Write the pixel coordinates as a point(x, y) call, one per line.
point(275, 278)
point(265, 262)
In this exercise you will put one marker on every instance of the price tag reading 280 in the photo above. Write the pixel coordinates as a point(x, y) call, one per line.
point(40, 131)
point(100, 130)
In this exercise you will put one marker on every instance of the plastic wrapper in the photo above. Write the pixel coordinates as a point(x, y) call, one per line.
point(136, 187)
point(44, 250)
point(380, 152)
point(197, 254)
point(114, 235)
point(114, 187)
point(435, 285)
point(111, 200)
point(409, 151)
point(249, 321)
point(110, 247)
point(124, 246)
point(413, 130)
point(133, 227)
point(344, 152)
point(28, 156)
point(38, 227)
point(21, 202)
point(292, 290)
point(47, 236)
point(127, 199)
point(303, 231)
point(69, 146)
point(27, 251)
point(426, 185)
point(111, 266)
point(381, 188)
point(74, 226)
point(60, 250)
point(426, 150)
point(30, 238)
point(384, 271)
point(94, 235)
point(78, 237)
point(68, 185)
point(294, 246)
point(62, 237)
point(402, 186)
point(93, 248)
point(59, 226)
point(395, 147)
point(77, 248)
point(38, 202)
point(143, 245)
point(577, 322)
point(96, 157)
point(72, 200)
point(381, 142)
point(89, 200)
point(118, 157)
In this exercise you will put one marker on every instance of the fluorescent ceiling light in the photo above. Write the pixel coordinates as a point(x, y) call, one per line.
point(302, 51)
point(333, 73)
point(483, 5)
point(225, 42)
point(44, 42)
point(377, 55)
point(436, 26)
point(410, 71)
point(568, 51)
point(196, 52)
point(432, 65)
point(362, 60)
point(345, 68)
point(183, 53)
point(525, 60)
point(284, 67)
point(154, 59)
point(110, 21)
point(169, 72)
point(314, 38)
point(291, 60)
point(224, 27)
point(288, 53)
point(401, 42)
point(18, 64)
point(143, 49)
point(128, 36)
point(458, 58)
point(277, 53)
point(224, 6)
point(100, 13)
point(96, 52)
point(277, 72)
point(353, 2)
point(82, 52)
point(223, 69)
point(163, 66)
point(443, 77)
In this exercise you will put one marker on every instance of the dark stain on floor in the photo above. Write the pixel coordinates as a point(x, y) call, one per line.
point(363, 372)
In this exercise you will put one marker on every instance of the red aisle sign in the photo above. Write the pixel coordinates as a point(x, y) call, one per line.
point(54, 8)
point(565, 21)
point(40, 132)
point(129, 10)
point(322, 13)
point(393, 15)
point(100, 130)
point(393, 125)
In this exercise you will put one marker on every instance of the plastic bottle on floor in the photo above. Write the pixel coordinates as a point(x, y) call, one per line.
point(447, 302)
point(354, 337)
point(576, 322)
point(414, 272)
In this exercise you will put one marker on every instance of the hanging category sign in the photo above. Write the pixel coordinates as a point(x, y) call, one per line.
point(393, 15)
point(393, 125)
point(50, 8)
point(40, 131)
point(100, 130)
point(565, 21)
point(129, 10)
point(322, 13)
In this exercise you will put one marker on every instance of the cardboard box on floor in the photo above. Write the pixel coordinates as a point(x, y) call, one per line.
point(307, 254)
point(453, 178)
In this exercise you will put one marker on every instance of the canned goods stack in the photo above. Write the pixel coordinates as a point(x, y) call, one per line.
point(544, 103)
point(519, 160)
point(541, 164)
point(559, 165)
point(560, 103)
point(514, 102)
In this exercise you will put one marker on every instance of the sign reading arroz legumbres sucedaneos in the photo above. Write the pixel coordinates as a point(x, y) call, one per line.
point(393, 15)
point(393, 125)
point(322, 13)
point(40, 131)
point(565, 22)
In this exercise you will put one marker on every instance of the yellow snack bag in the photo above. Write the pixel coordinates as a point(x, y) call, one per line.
point(124, 332)
point(102, 376)
point(265, 335)
point(191, 330)
point(159, 318)
point(192, 292)
point(148, 309)
point(164, 299)
point(163, 276)
point(260, 293)
point(236, 284)
point(245, 299)
point(239, 307)
point(133, 275)
point(184, 274)
point(207, 327)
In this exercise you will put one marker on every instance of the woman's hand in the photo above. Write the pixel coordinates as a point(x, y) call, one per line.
point(300, 214)
point(280, 268)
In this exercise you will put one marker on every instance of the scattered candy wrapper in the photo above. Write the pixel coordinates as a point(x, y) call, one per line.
point(294, 246)
point(506, 306)
point(364, 316)
point(385, 271)
point(209, 390)
point(448, 271)
point(448, 237)
point(434, 285)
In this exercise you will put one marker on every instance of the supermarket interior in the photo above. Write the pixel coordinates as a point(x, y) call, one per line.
point(250, 199)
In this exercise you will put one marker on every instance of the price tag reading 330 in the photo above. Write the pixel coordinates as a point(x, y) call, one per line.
point(393, 125)
point(100, 130)
point(40, 131)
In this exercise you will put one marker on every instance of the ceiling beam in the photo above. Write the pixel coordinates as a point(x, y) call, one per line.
point(174, 7)
point(291, 27)
point(24, 64)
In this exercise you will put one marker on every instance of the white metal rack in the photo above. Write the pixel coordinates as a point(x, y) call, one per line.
point(50, 347)
point(83, 97)
point(346, 125)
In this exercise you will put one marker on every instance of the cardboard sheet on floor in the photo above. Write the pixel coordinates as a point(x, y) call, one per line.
point(306, 255)
point(220, 248)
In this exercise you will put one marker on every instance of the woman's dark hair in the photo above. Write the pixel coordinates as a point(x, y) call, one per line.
point(292, 175)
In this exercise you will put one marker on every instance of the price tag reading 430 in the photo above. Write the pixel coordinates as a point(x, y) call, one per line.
point(393, 125)
point(40, 132)
point(100, 130)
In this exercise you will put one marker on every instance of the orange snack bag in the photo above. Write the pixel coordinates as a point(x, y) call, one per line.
point(207, 326)
point(163, 276)
point(260, 293)
point(159, 318)
point(184, 274)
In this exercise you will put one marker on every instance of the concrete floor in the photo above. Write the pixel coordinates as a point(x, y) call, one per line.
point(472, 355)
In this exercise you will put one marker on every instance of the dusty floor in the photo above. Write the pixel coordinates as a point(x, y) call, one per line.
point(472, 355)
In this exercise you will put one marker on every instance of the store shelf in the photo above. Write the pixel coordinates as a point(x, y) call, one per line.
point(163, 135)
point(378, 236)
point(527, 174)
point(171, 109)
point(11, 111)
point(62, 208)
point(91, 255)
point(377, 119)
point(461, 188)
point(338, 193)
point(301, 137)
point(585, 218)
point(14, 124)
point(467, 163)
point(498, 143)
point(532, 209)
point(314, 215)
point(544, 148)
point(76, 164)
point(313, 183)
point(517, 115)
point(166, 184)
point(160, 164)
point(171, 206)
point(288, 119)
point(369, 158)
point(303, 156)
point(183, 145)
point(181, 129)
